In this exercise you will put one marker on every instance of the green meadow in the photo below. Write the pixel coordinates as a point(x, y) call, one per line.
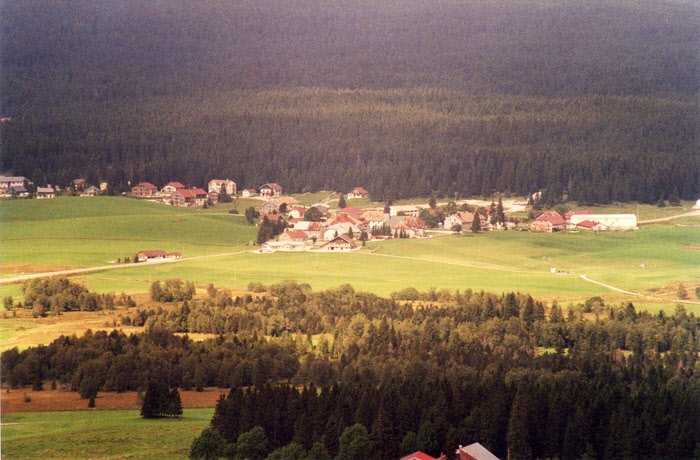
point(100, 434)
point(82, 232)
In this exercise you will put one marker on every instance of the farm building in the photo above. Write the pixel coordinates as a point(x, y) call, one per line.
point(610, 222)
point(145, 256)
point(550, 221)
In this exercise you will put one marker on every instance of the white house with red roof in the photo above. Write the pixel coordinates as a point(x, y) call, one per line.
point(271, 190)
point(340, 243)
point(183, 197)
point(612, 222)
point(358, 192)
point(172, 187)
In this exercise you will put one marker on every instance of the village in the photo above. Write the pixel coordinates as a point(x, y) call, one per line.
point(286, 225)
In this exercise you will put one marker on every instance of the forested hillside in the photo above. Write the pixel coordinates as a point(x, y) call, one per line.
point(594, 100)
point(446, 368)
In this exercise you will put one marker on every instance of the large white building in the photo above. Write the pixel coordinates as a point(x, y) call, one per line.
point(606, 221)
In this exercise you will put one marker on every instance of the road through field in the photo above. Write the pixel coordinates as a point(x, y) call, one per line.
point(77, 271)
point(638, 294)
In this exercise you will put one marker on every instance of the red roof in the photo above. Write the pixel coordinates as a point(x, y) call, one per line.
point(552, 217)
point(148, 186)
point(174, 185)
point(198, 191)
point(152, 254)
point(186, 193)
point(358, 191)
point(273, 186)
point(296, 234)
point(587, 224)
point(270, 217)
point(418, 456)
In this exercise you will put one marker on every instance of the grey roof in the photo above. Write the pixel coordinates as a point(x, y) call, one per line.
point(479, 452)
point(45, 190)
point(12, 178)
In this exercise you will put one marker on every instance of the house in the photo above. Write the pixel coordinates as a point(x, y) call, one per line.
point(271, 190)
point(183, 197)
point(374, 219)
point(550, 221)
point(45, 192)
point(16, 191)
point(410, 226)
point(418, 456)
point(475, 452)
point(272, 245)
point(697, 204)
point(174, 255)
point(10, 181)
point(288, 200)
point(591, 226)
point(323, 207)
point(296, 212)
point(104, 186)
point(273, 218)
point(248, 192)
point(340, 243)
point(91, 191)
point(465, 219)
point(358, 192)
point(79, 184)
point(269, 207)
point(172, 187)
point(353, 211)
point(144, 189)
point(146, 256)
point(341, 229)
point(216, 185)
point(312, 229)
point(200, 196)
point(407, 210)
point(612, 222)
point(213, 196)
point(293, 235)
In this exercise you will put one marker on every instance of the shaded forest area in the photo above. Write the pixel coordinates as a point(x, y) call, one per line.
point(592, 100)
point(455, 367)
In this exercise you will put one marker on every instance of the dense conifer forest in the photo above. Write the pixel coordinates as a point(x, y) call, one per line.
point(443, 368)
point(592, 100)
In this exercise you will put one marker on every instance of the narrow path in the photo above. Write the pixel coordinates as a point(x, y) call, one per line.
point(670, 218)
point(638, 294)
point(78, 271)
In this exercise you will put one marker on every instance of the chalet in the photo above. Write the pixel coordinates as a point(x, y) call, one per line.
point(45, 192)
point(216, 185)
point(183, 197)
point(16, 191)
point(550, 221)
point(411, 226)
point(91, 191)
point(248, 192)
point(340, 243)
point(373, 219)
point(418, 456)
point(147, 256)
point(271, 190)
point(269, 207)
point(293, 235)
point(475, 452)
point(172, 187)
point(10, 181)
point(79, 184)
point(465, 219)
point(358, 192)
point(312, 229)
point(200, 196)
point(144, 189)
point(296, 212)
point(341, 229)
point(274, 218)
point(612, 222)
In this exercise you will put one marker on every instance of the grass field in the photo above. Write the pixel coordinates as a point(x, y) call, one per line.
point(100, 434)
point(81, 232)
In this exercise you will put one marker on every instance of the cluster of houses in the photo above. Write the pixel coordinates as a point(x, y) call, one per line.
point(552, 221)
point(334, 230)
point(16, 187)
point(176, 194)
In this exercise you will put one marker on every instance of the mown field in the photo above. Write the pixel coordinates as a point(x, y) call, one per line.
point(100, 434)
point(79, 232)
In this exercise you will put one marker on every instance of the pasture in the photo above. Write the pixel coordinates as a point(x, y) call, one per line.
point(100, 434)
point(82, 232)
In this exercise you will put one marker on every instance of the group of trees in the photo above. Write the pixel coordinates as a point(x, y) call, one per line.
point(58, 294)
point(419, 370)
point(481, 96)
point(161, 401)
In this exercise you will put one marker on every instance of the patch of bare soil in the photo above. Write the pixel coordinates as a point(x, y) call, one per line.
point(60, 400)
point(691, 246)
point(24, 269)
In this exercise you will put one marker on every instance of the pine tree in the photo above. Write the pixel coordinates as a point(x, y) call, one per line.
point(476, 223)
point(341, 202)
